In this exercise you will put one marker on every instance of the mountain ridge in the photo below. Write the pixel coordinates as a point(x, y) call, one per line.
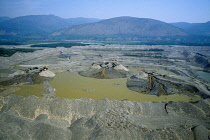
point(2, 19)
point(37, 25)
point(51, 27)
point(194, 28)
point(81, 20)
point(124, 26)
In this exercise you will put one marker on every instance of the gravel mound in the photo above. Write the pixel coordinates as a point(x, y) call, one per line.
point(70, 119)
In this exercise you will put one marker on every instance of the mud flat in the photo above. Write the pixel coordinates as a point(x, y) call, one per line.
point(160, 96)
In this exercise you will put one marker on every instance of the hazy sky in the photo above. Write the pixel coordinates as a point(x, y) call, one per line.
point(165, 10)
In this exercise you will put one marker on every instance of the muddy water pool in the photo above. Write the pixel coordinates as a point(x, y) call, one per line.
point(72, 85)
point(27, 90)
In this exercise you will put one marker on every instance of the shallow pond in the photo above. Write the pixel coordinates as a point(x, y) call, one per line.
point(26, 90)
point(72, 85)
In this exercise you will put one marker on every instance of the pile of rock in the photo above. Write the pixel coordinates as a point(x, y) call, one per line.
point(150, 83)
point(42, 71)
point(106, 70)
point(34, 75)
point(80, 119)
point(47, 73)
point(109, 65)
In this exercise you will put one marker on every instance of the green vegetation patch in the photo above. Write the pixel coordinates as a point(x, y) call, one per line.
point(54, 45)
point(9, 52)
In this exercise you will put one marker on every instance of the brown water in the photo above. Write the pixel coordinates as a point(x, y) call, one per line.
point(72, 85)
point(27, 90)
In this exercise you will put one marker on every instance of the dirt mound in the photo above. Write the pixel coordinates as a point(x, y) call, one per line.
point(106, 70)
point(103, 73)
point(154, 85)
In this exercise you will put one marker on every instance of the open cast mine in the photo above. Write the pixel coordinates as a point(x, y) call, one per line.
point(104, 92)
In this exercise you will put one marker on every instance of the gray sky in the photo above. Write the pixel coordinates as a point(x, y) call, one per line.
point(193, 11)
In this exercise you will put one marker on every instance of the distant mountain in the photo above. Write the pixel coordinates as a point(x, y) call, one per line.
point(81, 20)
point(182, 25)
point(119, 28)
point(38, 25)
point(125, 27)
point(194, 28)
point(33, 25)
point(2, 19)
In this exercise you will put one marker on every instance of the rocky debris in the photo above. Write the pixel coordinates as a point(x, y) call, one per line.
point(203, 61)
point(149, 83)
point(95, 66)
point(17, 73)
point(186, 53)
point(9, 90)
point(104, 73)
point(49, 89)
point(47, 73)
point(51, 117)
point(201, 133)
point(62, 55)
point(70, 119)
point(36, 69)
point(14, 126)
point(186, 109)
point(140, 75)
point(113, 64)
point(120, 67)
point(106, 70)
point(20, 58)
point(31, 78)
point(33, 75)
